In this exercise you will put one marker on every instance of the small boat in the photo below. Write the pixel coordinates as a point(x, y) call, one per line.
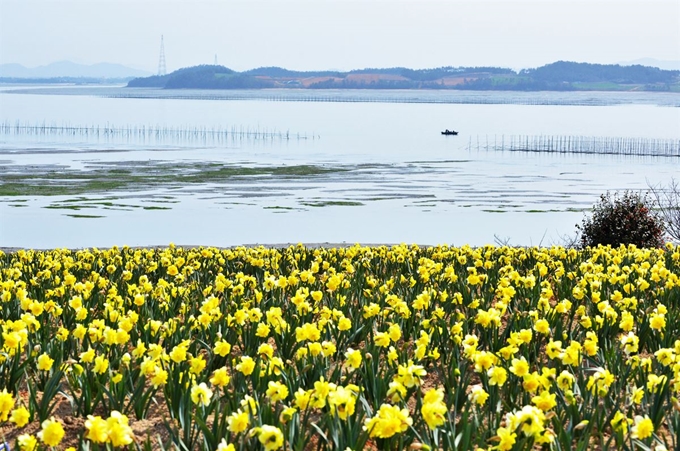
point(449, 132)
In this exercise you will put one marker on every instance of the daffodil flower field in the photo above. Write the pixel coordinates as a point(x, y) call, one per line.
point(401, 347)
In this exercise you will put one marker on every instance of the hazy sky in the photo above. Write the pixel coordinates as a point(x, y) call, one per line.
point(338, 34)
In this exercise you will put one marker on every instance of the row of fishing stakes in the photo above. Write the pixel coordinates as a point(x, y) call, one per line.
point(579, 144)
point(155, 133)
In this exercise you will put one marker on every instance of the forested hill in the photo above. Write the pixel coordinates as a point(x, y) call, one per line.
point(563, 71)
point(559, 76)
point(202, 77)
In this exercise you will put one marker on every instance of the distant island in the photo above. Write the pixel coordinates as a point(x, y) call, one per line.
point(65, 80)
point(69, 72)
point(559, 76)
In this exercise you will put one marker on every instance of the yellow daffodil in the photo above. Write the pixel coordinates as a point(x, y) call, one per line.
point(6, 404)
point(545, 401)
point(342, 401)
point(277, 391)
point(506, 439)
point(478, 395)
point(434, 409)
point(388, 421)
point(497, 375)
point(519, 367)
point(20, 416)
point(238, 421)
point(220, 377)
point(51, 433)
point(353, 358)
point(97, 429)
point(246, 365)
point(642, 428)
point(270, 437)
point(119, 431)
point(27, 442)
point(201, 394)
point(222, 348)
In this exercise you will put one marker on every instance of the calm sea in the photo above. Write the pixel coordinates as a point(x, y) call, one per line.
point(391, 176)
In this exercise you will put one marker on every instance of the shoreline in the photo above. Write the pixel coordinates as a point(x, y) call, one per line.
point(323, 245)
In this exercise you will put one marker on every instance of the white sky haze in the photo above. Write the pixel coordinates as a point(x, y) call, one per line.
point(344, 35)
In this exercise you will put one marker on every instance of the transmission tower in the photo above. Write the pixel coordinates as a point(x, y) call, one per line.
point(161, 59)
point(215, 59)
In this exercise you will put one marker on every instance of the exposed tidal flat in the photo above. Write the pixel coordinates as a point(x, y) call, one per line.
point(375, 172)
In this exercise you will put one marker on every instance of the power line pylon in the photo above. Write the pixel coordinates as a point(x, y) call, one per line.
point(161, 59)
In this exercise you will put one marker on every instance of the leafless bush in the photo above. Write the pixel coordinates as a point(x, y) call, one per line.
point(668, 201)
point(569, 241)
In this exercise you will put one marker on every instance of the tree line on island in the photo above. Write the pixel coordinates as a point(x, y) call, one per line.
point(558, 76)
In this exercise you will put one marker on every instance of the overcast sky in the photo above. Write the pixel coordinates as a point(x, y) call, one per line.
point(338, 34)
